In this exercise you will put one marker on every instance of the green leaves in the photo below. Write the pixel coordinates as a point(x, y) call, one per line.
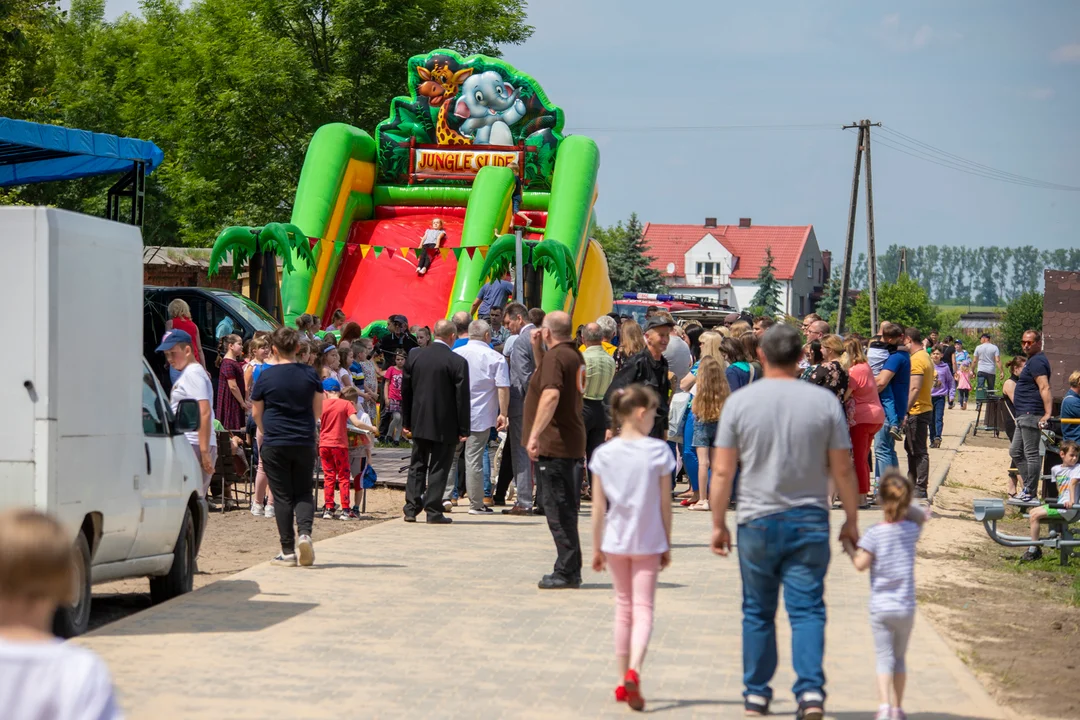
point(629, 264)
point(767, 296)
point(1023, 313)
point(904, 302)
point(231, 90)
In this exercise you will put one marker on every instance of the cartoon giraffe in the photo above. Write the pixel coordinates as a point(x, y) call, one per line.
point(440, 86)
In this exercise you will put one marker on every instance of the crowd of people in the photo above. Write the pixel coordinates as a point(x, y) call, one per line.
point(510, 403)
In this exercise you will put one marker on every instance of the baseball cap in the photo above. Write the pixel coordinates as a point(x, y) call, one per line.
point(657, 321)
point(400, 319)
point(732, 318)
point(172, 339)
point(331, 385)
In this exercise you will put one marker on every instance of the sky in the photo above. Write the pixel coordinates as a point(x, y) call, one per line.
point(992, 82)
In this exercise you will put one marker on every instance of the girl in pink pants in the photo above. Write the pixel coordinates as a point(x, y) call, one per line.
point(631, 522)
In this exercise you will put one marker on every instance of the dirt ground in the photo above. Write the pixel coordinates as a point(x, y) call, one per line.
point(1016, 625)
point(234, 541)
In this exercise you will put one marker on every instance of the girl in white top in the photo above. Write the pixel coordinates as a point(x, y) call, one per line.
point(888, 551)
point(631, 523)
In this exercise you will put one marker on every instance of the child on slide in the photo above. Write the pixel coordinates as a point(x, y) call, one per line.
point(429, 244)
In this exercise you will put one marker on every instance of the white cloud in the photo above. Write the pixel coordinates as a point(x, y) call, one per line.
point(922, 36)
point(1041, 93)
point(895, 36)
point(1067, 53)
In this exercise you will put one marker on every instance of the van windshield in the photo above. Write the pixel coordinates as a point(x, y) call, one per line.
point(249, 311)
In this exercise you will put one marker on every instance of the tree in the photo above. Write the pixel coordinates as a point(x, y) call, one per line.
point(232, 91)
point(629, 263)
point(1023, 313)
point(767, 296)
point(860, 277)
point(829, 303)
point(904, 302)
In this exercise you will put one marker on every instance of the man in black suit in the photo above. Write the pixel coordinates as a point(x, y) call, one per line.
point(435, 410)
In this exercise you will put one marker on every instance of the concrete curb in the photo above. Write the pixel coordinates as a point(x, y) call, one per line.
point(943, 474)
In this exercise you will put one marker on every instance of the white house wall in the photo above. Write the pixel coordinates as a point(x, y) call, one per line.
point(707, 249)
point(745, 290)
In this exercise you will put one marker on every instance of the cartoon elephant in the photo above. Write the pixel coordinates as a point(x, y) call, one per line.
point(490, 106)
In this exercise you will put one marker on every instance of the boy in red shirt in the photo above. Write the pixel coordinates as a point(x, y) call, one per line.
point(334, 447)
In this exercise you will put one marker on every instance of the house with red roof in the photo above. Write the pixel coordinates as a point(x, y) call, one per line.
point(720, 263)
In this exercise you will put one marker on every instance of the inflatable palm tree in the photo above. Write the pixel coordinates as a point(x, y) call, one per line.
point(259, 247)
point(537, 258)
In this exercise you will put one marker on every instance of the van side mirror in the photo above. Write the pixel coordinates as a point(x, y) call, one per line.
point(187, 416)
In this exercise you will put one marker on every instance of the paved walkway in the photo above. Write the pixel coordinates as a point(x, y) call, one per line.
point(410, 620)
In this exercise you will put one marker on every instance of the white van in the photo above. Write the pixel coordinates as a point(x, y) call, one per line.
point(86, 433)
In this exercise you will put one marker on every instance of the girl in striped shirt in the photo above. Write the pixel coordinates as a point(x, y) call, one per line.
point(888, 551)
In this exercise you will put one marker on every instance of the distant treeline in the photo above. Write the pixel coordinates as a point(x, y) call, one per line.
point(962, 275)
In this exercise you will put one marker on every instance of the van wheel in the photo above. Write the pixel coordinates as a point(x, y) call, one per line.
point(181, 575)
point(72, 620)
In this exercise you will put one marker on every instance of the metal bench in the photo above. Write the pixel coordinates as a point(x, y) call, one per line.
point(1061, 536)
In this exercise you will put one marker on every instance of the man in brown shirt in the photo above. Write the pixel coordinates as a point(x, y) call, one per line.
point(555, 436)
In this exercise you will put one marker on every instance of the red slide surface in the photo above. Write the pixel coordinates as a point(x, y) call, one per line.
point(374, 288)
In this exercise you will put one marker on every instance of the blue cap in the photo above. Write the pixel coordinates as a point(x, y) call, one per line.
point(173, 338)
point(331, 385)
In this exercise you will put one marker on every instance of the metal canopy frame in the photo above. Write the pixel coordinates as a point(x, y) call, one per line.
point(131, 185)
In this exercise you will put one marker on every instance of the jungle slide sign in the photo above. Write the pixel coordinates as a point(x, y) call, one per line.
point(460, 162)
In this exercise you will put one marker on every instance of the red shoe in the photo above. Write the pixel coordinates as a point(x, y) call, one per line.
point(687, 502)
point(632, 682)
point(620, 694)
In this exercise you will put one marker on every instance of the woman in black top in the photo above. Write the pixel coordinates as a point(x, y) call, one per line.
point(830, 373)
point(285, 403)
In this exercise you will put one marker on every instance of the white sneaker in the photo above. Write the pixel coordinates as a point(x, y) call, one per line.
point(268, 511)
point(328, 515)
point(447, 506)
point(306, 550)
point(284, 560)
point(256, 509)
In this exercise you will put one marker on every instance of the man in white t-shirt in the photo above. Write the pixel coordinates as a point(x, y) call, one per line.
point(193, 384)
point(489, 399)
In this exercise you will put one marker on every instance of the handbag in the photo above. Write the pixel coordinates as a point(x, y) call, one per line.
point(849, 410)
point(677, 410)
point(370, 477)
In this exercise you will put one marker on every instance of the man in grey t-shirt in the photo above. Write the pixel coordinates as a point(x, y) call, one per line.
point(988, 363)
point(789, 437)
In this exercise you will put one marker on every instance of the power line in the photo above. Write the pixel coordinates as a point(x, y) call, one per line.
point(946, 163)
point(930, 153)
point(697, 128)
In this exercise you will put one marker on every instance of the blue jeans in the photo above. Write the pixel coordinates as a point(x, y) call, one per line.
point(939, 416)
point(789, 548)
point(487, 470)
point(689, 456)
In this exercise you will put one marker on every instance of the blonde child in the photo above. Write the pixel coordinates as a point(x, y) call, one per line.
point(963, 383)
point(631, 523)
point(41, 677)
point(359, 446)
point(1067, 477)
point(888, 550)
point(710, 392)
point(337, 413)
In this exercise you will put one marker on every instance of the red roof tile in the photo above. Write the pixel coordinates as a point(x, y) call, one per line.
point(670, 243)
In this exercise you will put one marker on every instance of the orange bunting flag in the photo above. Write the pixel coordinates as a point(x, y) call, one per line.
point(445, 252)
point(483, 250)
point(405, 252)
point(364, 250)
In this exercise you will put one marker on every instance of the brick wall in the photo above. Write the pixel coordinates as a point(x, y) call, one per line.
point(188, 276)
point(1061, 327)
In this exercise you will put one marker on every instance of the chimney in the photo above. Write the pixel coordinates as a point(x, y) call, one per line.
point(744, 222)
point(710, 222)
point(826, 260)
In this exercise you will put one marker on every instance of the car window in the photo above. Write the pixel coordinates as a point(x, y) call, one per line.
point(153, 408)
point(249, 311)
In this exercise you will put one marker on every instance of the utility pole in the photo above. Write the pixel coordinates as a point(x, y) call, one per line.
point(871, 251)
point(862, 144)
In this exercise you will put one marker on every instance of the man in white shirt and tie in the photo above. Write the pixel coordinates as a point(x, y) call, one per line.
point(489, 390)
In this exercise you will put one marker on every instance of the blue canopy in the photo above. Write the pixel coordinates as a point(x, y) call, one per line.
point(32, 153)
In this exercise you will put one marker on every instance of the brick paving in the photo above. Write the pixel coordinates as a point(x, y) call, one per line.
point(446, 621)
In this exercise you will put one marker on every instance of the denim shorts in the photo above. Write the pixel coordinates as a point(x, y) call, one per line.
point(704, 434)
